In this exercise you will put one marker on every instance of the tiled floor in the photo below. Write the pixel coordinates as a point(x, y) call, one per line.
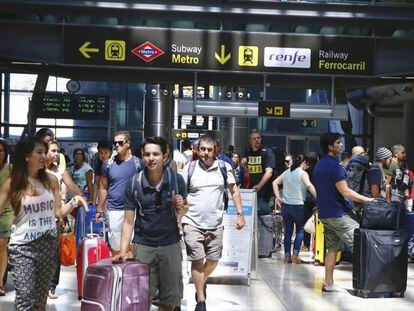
point(278, 287)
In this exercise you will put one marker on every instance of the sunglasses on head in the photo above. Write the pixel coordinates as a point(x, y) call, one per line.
point(118, 142)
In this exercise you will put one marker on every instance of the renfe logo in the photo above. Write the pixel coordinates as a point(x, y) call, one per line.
point(147, 51)
point(287, 57)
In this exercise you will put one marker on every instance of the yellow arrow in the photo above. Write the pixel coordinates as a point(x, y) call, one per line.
point(84, 49)
point(222, 58)
point(269, 110)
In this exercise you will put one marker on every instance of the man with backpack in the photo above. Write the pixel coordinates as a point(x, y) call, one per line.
point(207, 182)
point(115, 174)
point(376, 176)
point(356, 171)
point(154, 198)
point(398, 175)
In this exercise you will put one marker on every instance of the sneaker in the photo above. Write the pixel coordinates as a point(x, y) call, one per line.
point(296, 259)
point(52, 294)
point(201, 306)
point(2, 291)
point(304, 248)
point(332, 288)
point(287, 259)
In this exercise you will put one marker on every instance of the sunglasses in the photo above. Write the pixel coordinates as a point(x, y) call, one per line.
point(158, 200)
point(118, 142)
point(287, 161)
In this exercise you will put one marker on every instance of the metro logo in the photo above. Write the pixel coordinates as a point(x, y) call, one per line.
point(287, 57)
point(147, 51)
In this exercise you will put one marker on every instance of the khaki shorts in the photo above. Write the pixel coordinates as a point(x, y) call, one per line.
point(203, 243)
point(6, 221)
point(165, 271)
point(338, 231)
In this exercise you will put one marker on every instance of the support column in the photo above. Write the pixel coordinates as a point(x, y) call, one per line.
point(233, 130)
point(6, 105)
point(157, 110)
point(408, 130)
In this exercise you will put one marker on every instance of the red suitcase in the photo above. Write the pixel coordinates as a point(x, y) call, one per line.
point(91, 249)
point(116, 287)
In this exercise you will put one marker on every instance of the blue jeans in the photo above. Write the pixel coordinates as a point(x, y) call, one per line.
point(293, 215)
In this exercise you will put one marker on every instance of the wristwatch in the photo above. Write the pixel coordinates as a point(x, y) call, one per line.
point(240, 213)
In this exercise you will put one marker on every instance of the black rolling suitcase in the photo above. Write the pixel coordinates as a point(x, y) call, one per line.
point(380, 262)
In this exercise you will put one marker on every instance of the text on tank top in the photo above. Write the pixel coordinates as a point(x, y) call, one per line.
point(36, 218)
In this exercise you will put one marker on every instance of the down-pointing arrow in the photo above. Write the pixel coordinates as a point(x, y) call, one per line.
point(222, 58)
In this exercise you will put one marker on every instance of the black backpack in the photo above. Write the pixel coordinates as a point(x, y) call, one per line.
point(356, 177)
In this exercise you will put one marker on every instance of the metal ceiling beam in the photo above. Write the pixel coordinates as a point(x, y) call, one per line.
point(247, 109)
point(337, 14)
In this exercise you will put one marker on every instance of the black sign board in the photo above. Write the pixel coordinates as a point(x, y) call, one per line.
point(274, 109)
point(179, 49)
point(69, 106)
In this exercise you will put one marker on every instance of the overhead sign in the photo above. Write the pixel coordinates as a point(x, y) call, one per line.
point(274, 109)
point(309, 123)
point(70, 106)
point(145, 47)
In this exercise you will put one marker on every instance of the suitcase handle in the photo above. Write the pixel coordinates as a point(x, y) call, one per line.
point(103, 228)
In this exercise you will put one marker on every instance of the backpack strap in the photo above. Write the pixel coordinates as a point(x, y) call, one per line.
point(172, 188)
point(191, 169)
point(137, 163)
point(223, 170)
point(136, 191)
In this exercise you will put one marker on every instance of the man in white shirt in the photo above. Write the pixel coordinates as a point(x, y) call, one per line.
point(206, 179)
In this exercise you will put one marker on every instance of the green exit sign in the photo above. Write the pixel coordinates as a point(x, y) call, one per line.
point(309, 123)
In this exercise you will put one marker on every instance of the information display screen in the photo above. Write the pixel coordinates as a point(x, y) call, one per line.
point(70, 106)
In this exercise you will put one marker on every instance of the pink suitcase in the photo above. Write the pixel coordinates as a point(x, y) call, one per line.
point(116, 287)
point(91, 249)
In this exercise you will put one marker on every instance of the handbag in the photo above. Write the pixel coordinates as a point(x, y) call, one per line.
point(67, 248)
point(310, 226)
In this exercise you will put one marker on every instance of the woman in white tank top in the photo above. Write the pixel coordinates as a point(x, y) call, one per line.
point(295, 182)
point(34, 196)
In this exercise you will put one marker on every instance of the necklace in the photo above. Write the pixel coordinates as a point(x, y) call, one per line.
point(32, 183)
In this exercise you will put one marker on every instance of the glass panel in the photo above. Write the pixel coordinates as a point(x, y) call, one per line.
point(15, 132)
point(55, 84)
point(19, 106)
point(22, 82)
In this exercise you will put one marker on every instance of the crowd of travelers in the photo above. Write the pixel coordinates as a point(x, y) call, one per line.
point(153, 198)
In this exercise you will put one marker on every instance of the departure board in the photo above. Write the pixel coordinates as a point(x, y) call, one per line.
point(70, 106)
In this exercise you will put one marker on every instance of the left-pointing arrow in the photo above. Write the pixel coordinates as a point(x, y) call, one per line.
point(84, 49)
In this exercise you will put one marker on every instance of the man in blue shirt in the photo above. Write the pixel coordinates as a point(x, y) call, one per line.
point(333, 206)
point(154, 199)
point(116, 172)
